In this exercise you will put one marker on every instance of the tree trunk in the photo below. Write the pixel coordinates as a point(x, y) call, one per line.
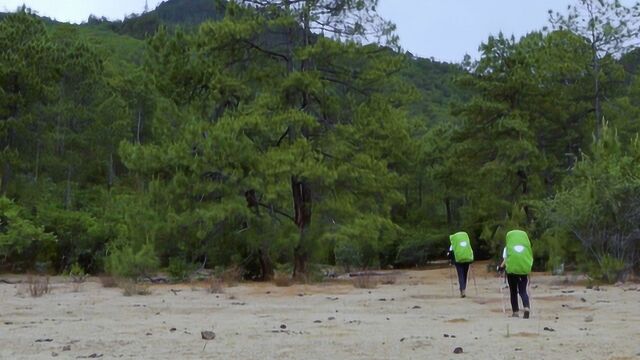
point(447, 205)
point(266, 265)
point(302, 205)
point(139, 128)
point(111, 172)
point(7, 170)
point(6, 177)
point(67, 193)
point(597, 105)
point(35, 176)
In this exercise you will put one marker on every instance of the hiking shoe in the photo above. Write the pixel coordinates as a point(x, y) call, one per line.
point(515, 314)
point(526, 313)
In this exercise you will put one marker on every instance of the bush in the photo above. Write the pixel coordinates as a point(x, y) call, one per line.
point(127, 263)
point(21, 239)
point(179, 269)
point(77, 275)
point(609, 269)
point(347, 255)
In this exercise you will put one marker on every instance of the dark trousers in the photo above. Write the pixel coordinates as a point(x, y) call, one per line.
point(518, 285)
point(462, 269)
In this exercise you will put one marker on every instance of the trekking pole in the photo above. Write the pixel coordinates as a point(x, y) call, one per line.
point(473, 275)
point(501, 283)
point(451, 279)
point(529, 292)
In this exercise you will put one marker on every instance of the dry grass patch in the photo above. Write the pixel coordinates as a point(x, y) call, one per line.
point(108, 281)
point(38, 285)
point(282, 280)
point(215, 285)
point(130, 288)
point(232, 276)
point(365, 282)
point(388, 280)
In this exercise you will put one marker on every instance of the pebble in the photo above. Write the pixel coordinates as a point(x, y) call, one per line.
point(208, 335)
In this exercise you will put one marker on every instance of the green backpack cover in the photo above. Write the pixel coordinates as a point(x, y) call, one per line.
point(461, 247)
point(519, 255)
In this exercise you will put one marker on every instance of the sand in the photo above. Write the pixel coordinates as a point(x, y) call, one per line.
point(415, 318)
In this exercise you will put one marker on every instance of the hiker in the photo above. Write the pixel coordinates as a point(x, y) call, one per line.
point(461, 255)
point(517, 261)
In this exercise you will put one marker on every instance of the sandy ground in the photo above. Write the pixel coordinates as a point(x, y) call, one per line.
point(415, 318)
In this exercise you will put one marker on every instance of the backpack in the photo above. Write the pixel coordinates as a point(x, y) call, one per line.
point(461, 246)
point(519, 254)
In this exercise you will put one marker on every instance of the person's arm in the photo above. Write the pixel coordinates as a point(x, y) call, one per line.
point(504, 258)
point(450, 254)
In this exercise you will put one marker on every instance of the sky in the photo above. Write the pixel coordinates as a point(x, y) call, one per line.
point(445, 30)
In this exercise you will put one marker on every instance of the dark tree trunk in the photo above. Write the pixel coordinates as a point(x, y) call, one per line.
point(524, 182)
point(67, 192)
point(597, 105)
point(447, 205)
point(139, 127)
point(7, 170)
point(111, 171)
point(6, 177)
point(266, 265)
point(302, 206)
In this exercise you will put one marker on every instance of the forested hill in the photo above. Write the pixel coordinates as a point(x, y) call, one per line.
point(183, 137)
point(171, 13)
point(433, 79)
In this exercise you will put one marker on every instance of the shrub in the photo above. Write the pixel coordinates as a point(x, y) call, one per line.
point(127, 263)
point(21, 239)
point(179, 269)
point(609, 269)
point(77, 275)
point(347, 255)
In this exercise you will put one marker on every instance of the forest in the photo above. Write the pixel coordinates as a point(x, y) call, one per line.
point(281, 136)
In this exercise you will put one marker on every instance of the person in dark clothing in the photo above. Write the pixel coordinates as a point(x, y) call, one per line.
point(461, 255)
point(517, 261)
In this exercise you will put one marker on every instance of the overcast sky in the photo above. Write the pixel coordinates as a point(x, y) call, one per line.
point(442, 29)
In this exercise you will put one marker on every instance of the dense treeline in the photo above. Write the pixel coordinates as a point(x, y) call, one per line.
point(249, 141)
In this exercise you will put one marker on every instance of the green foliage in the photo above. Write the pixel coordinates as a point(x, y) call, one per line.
point(250, 141)
point(607, 269)
point(599, 205)
point(129, 263)
point(76, 271)
point(179, 269)
point(21, 240)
